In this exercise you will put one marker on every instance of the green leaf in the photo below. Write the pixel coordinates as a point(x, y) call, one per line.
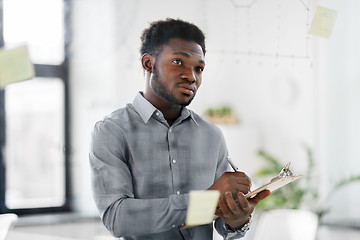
point(346, 181)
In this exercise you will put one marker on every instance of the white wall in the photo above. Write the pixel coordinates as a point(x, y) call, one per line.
point(339, 129)
point(260, 60)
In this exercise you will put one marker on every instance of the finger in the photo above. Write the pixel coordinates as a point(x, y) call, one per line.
point(226, 212)
point(241, 176)
point(243, 185)
point(218, 212)
point(244, 180)
point(260, 196)
point(231, 204)
point(244, 203)
point(242, 188)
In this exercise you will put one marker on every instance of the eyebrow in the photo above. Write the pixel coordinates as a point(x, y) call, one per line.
point(187, 55)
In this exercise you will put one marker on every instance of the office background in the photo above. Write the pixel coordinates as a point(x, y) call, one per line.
point(287, 88)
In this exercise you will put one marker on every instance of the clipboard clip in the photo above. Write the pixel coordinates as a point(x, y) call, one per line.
point(285, 172)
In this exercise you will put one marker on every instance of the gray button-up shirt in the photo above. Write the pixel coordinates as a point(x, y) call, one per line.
point(143, 170)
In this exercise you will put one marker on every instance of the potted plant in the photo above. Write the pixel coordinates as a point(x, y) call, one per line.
point(299, 194)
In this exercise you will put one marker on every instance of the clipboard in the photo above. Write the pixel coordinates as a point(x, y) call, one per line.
point(283, 178)
point(274, 184)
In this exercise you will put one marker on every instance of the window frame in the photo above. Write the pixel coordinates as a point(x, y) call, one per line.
point(60, 71)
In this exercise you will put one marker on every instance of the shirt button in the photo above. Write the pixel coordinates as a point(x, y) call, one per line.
point(173, 226)
point(174, 161)
point(178, 192)
point(157, 114)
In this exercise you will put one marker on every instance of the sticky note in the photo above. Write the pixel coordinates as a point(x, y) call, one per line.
point(15, 65)
point(323, 22)
point(202, 206)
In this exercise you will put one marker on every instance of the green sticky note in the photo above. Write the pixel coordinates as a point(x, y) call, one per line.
point(323, 22)
point(15, 65)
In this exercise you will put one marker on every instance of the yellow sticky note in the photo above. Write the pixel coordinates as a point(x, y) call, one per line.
point(15, 65)
point(202, 206)
point(323, 22)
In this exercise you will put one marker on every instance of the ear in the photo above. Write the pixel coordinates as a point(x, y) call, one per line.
point(147, 62)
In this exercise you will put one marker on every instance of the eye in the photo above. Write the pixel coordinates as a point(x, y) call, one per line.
point(177, 61)
point(199, 69)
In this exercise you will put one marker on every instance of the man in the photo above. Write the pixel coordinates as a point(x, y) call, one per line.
point(147, 157)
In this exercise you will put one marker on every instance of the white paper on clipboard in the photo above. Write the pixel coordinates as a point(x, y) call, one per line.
point(273, 185)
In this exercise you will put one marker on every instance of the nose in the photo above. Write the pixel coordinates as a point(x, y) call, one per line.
point(189, 75)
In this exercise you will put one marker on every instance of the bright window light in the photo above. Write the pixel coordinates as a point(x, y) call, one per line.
point(38, 24)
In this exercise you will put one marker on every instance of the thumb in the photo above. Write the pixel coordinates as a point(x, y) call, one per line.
point(260, 196)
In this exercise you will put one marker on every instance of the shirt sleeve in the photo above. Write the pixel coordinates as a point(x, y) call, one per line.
point(226, 233)
point(113, 190)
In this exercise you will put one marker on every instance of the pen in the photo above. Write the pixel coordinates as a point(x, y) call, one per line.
point(236, 169)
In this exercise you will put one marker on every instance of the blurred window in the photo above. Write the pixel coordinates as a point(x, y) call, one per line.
point(34, 113)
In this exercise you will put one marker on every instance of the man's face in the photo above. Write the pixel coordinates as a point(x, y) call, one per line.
point(177, 71)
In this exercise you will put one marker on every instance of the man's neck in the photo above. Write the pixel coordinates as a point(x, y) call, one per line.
point(171, 114)
point(170, 111)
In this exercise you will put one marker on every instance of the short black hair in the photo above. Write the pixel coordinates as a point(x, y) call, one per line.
point(160, 32)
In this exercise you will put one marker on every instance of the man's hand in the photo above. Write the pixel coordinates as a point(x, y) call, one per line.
point(236, 213)
point(233, 207)
point(233, 182)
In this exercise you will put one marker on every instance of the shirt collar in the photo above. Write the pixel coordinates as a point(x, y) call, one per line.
point(185, 113)
point(145, 109)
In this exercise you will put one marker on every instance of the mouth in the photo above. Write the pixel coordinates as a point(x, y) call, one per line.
point(187, 89)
